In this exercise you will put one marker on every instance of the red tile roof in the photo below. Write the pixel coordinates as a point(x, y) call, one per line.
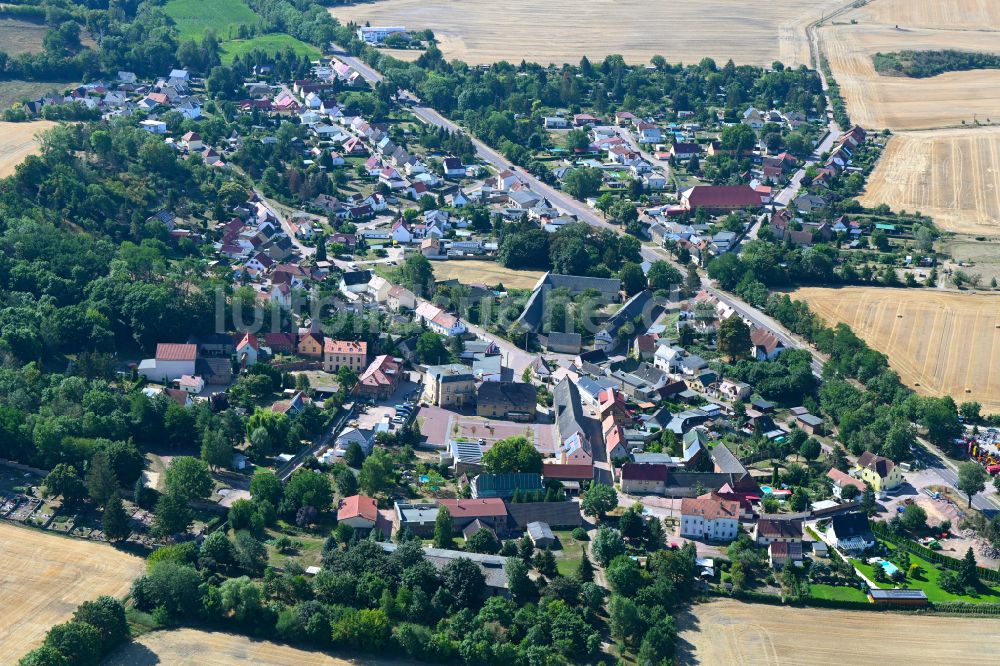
point(357, 506)
point(710, 508)
point(722, 196)
point(345, 347)
point(488, 507)
point(166, 351)
point(380, 372)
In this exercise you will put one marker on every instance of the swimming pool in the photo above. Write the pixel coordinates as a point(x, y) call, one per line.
point(768, 490)
point(889, 567)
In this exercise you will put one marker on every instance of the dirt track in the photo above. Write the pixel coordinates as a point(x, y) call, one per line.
point(44, 577)
point(728, 633)
point(480, 31)
point(940, 342)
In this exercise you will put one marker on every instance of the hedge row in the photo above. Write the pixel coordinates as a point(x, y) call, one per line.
point(883, 532)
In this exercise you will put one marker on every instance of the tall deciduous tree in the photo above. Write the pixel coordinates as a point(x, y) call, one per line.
point(734, 338)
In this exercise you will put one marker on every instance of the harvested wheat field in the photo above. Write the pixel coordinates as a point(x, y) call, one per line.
point(17, 37)
point(730, 632)
point(483, 31)
point(17, 141)
point(951, 175)
point(903, 103)
point(190, 647)
point(44, 578)
point(951, 14)
point(940, 342)
point(490, 273)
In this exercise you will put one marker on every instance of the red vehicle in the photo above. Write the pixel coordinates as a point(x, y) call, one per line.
point(993, 470)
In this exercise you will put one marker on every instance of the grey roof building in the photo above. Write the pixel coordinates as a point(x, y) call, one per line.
point(492, 566)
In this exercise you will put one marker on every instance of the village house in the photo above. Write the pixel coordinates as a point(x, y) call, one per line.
point(450, 385)
point(507, 400)
point(850, 532)
point(247, 351)
point(381, 379)
point(400, 298)
point(879, 472)
point(765, 345)
point(639, 479)
point(358, 511)
point(351, 354)
point(310, 345)
point(777, 530)
point(840, 480)
point(709, 518)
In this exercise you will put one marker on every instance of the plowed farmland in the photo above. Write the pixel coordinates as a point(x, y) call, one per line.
point(44, 577)
point(481, 31)
point(940, 342)
point(730, 632)
point(951, 175)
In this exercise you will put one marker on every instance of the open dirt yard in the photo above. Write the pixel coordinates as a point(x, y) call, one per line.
point(903, 103)
point(730, 632)
point(940, 342)
point(19, 37)
point(481, 31)
point(951, 175)
point(490, 273)
point(44, 577)
point(190, 647)
point(17, 141)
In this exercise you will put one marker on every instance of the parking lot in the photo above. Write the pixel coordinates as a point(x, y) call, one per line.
point(369, 416)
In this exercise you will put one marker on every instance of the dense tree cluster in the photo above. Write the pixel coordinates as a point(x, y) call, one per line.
point(925, 64)
point(575, 249)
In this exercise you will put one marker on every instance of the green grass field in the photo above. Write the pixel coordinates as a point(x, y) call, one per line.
point(194, 17)
point(268, 44)
point(836, 592)
point(568, 557)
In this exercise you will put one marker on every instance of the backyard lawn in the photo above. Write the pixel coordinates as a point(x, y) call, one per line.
point(927, 580)
point(307, 551)
point(568, 557)
point(836, 592)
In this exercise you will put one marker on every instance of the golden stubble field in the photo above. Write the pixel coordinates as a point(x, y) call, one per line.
point(903, 103)
point(733, 633)
point(940, 342)
point(560, 31)
point(951, 175)
point(44, 577)
point(948, 169)
point(17, 141)
point(490, 273)
point(191, 647)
